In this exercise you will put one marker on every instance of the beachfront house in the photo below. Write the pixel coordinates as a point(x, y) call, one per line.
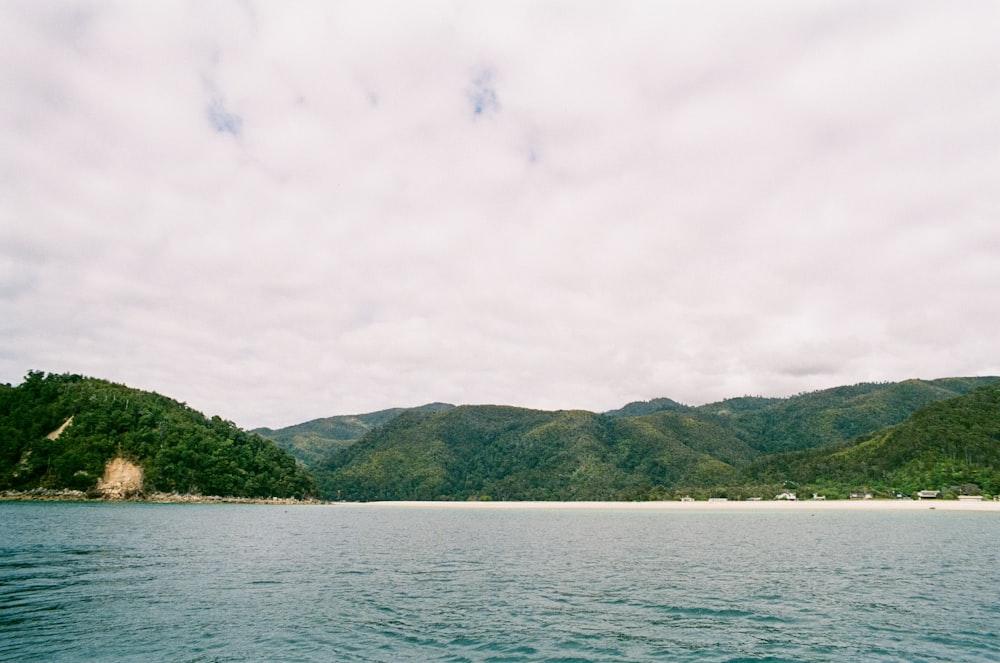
point(928, 494)
point(786, 496)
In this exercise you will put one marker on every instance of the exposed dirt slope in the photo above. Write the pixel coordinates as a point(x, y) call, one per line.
point(122, 479)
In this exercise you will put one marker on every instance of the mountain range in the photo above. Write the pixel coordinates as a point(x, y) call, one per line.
point(738, 447)
point(890, 438)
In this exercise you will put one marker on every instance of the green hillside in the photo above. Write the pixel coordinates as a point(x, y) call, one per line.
point(723, 449)
point(60, 431)
point(313, 441)
point(639, 408)
point(703, 434)
point(831, 416)
point(498, 452)
point(177, 448)
point(951, 445)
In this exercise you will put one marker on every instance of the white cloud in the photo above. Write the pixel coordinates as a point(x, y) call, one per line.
point(283, 211)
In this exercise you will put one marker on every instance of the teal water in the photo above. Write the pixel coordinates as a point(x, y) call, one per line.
point(143, 582)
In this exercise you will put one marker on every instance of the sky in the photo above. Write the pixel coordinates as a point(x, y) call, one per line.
point(277, 211)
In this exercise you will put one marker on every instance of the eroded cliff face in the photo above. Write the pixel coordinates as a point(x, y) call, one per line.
point(122, 479)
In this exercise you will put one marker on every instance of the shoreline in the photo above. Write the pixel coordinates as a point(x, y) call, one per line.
point(50, 495)
point(768, 505)
point(702, 505)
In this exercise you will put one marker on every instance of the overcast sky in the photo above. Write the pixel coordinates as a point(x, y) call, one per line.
point(277, 211)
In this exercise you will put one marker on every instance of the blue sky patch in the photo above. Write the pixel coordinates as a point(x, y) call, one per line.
point(483, 93)
point(222, 120)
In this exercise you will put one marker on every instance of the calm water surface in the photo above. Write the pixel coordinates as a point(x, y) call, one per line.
point(143, 582)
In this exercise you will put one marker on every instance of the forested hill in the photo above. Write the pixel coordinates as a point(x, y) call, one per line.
point(313, 441)
point(61, 431)
point(639, 408)
point(952, 445)
point(834, 415)
point(505, 453)
point(176, 448)
point(765, 425)
point(494, 452)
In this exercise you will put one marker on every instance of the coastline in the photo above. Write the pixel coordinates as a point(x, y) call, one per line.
point(49, 495)
point(769, 505)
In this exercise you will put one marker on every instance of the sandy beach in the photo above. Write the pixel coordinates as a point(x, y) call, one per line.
point(775, 505)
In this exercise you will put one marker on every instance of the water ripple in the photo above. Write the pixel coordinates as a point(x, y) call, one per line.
point(233, 583)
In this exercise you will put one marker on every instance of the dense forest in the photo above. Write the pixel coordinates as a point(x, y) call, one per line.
point(952, 445)
point(179, 449)
point(881, 438)
point(312, 441)
point(833, 415)
point(738, 448)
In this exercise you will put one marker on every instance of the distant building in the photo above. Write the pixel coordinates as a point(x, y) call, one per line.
point(861, 496)
point(718, 499)
point(687, 498)
point(817, 496)
point(786, 496)
point(928, 494)
point(970, 498)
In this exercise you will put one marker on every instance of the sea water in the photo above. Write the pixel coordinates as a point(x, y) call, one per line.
point(182, 582)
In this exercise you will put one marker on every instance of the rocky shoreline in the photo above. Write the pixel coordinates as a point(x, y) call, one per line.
point(54, 495)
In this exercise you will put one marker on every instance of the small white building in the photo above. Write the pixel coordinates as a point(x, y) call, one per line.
point(786, 496)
